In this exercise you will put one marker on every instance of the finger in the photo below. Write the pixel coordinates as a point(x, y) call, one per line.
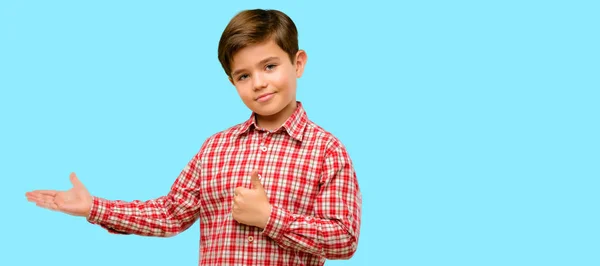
point(255, 179)
point(42, 192)
point(48, 205)
point(32, 196)
point(75, 181)
point(234, 205)
point(45, 198)
point(239, 191)
point(42, 200)
point(35, 200)
point(39, 198)
point(237, 200)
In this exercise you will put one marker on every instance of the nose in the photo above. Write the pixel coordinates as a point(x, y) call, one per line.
point(259, 82)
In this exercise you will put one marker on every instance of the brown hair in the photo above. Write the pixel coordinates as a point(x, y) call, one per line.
point(255, 26)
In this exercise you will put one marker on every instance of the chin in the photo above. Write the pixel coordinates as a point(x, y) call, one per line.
point(271, 108)
point(268, 110)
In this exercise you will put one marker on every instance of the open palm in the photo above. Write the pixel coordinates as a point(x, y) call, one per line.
point(76, 201)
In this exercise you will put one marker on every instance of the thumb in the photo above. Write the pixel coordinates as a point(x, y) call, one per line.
point(75, 181)
point(256, 184)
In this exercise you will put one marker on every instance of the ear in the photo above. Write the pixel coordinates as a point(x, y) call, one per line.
point(301, 58)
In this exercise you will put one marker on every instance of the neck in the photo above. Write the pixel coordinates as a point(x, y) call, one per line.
point(273, 122)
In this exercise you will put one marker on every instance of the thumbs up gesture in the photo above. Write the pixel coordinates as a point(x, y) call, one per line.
point(251, 206)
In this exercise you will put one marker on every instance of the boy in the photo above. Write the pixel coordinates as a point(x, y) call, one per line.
point(274, 190)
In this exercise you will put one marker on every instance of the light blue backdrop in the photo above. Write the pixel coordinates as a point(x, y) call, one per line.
point(474, 127)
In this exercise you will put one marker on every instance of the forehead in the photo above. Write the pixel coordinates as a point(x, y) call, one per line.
point(253, 54)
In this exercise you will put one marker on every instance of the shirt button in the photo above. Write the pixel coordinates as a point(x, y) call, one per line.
point(263, 148)
point(250, 239)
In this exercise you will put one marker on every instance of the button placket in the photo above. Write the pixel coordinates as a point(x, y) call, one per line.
point(263, 146)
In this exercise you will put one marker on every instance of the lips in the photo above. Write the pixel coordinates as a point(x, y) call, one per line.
point(265, 97)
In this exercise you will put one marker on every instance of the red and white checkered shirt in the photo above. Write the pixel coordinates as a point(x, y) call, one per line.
point(307, 175)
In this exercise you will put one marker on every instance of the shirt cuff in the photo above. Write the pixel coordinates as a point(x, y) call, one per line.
point(278, 223)
point(99, 211)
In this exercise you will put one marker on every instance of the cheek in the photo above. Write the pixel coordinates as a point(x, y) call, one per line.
point(243, 91)
point(281, 80)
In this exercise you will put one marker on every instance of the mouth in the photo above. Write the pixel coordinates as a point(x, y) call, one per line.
point(265, 97)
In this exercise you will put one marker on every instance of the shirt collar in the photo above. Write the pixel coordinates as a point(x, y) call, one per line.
point(294, 125)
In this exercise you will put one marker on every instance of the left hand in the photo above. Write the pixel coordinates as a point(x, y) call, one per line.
point(251, 206)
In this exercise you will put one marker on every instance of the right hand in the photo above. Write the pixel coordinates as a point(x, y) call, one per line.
point(76, 201)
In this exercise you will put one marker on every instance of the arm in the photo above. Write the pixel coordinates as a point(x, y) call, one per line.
point(333, 231)
point(165, 216)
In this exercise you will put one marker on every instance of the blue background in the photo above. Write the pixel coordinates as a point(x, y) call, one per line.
point(474, 127)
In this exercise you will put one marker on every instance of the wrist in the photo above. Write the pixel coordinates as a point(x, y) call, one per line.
point(88, 208)
point(266, 216)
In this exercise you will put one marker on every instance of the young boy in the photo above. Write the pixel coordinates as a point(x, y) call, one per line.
point(276, 189)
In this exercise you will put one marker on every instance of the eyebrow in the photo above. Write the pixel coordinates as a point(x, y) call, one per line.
point(262, 62)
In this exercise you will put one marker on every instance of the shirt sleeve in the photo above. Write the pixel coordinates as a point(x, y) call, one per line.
point(333, 231)
point(163, 217)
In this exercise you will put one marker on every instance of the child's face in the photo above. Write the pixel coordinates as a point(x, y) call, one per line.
point(265, 78)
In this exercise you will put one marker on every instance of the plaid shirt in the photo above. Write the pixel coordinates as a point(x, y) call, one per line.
point(308, 178)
